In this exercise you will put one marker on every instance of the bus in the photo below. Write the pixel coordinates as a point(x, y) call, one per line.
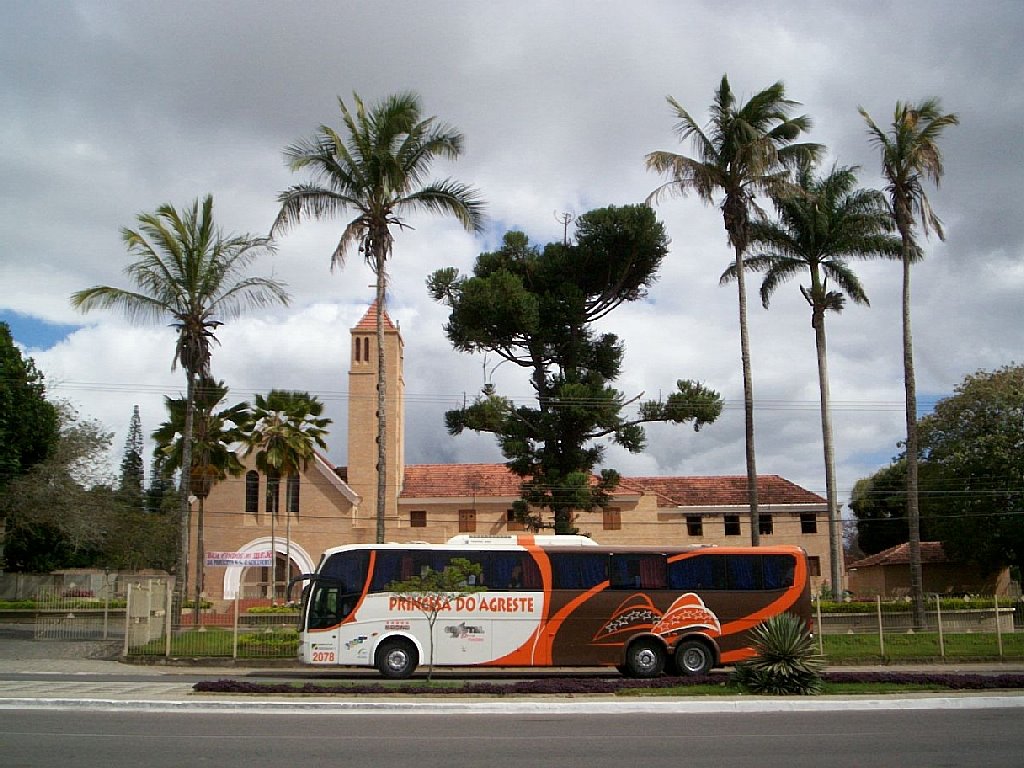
point(544, 601)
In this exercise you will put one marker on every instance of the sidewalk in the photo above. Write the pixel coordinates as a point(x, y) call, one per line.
point(26, 664)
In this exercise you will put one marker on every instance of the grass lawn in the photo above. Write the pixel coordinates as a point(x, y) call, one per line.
point(923, 646)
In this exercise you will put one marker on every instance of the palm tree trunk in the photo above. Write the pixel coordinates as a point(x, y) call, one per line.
point(181, 575)
point(913, 512)
point(382, 453)
point(834, 548)
point(272, 511)
point(748, 403)
point(287, 532)
point(198, 587)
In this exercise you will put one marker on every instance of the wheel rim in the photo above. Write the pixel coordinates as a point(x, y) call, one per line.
point(396, 659)
point(645, 659)
point(693, 660)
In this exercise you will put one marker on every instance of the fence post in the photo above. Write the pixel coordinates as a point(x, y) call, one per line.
point(821, 629)
point(127, 619)
point(234, 632)
point(938, 620)
point(999, 631)
point(169, 603)
point(881, 630)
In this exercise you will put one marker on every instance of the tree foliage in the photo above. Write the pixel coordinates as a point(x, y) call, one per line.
point(375, 168)
point(63, 513)
point(536, 308)
point(433, 592)
point(743, 152)
point(973, 446)
point(29, 428)
point(187, 270)
point(910, 154)
point(971, 477)
point(133, 469)
point(822, 223)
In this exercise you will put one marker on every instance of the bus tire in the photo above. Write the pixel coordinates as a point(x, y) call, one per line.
point(694, 657)
point(645, 658)
point(397, 658)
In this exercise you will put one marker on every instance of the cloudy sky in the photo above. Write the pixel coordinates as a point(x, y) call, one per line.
point(114, 108)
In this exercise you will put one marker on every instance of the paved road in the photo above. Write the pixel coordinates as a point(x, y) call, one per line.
point(990, 738)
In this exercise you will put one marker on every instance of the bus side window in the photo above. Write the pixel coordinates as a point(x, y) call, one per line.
point(779, 571)
point(697, 572)
point(572, 570)
point(638, 572)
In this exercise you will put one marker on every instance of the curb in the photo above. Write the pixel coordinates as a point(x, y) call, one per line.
point(602, 707)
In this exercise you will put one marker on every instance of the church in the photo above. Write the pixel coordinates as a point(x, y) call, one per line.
point(331, 506)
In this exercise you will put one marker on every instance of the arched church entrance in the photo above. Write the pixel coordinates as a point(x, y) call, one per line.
point(248, 583)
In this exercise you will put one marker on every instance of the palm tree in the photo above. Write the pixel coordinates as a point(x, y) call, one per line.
point(375, 168)
point(283, 433)
point(822, 225)
point(213, 458)
point(189, 271)
point(743, 153)
point(910, 153)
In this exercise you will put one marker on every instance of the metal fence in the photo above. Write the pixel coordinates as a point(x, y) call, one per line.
point(247, 630)
point(93, 612)
point(972, 628)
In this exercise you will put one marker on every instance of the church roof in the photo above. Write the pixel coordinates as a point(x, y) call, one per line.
point(369, 321)
point(459, 480)
point(496, 480)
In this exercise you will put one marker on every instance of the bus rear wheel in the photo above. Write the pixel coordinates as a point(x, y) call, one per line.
point(397, 658)
point(645, 658)
point(694, 658)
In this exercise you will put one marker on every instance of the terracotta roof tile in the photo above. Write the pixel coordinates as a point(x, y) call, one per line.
point(721, 490)
point(931, 552)
point(446, 480)
point(462, 480)
point(369, 321)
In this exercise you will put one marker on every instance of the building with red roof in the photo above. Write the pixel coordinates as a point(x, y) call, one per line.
point(331, 506)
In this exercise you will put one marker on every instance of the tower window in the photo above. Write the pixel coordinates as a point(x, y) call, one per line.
point(252, 492)
point(293, 495)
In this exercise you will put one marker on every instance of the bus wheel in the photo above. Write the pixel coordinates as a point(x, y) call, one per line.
point(694, 658)
point(396, 658)
point(645, 658)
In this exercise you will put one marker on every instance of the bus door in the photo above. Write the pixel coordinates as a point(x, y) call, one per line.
point(334, 596)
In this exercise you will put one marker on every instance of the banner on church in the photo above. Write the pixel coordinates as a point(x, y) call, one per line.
point(259, 559)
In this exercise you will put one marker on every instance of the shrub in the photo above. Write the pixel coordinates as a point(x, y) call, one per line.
point(787, 662)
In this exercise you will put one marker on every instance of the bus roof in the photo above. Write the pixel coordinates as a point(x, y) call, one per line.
point(478, 543)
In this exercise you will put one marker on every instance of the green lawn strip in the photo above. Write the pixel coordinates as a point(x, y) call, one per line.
point(921, 646)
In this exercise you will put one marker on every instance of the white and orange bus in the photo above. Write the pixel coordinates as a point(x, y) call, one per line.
point(550, 601)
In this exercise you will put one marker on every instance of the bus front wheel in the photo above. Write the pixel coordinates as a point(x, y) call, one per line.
point(694, 658)
point(396, 658)
point(645, 658)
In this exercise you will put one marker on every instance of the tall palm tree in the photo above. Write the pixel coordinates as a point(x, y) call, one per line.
point(825, 222)
point(214, 436)
point(284, 431)
point(910, 154)
point(742, 153)
point(375, 167)
point(189, 271)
